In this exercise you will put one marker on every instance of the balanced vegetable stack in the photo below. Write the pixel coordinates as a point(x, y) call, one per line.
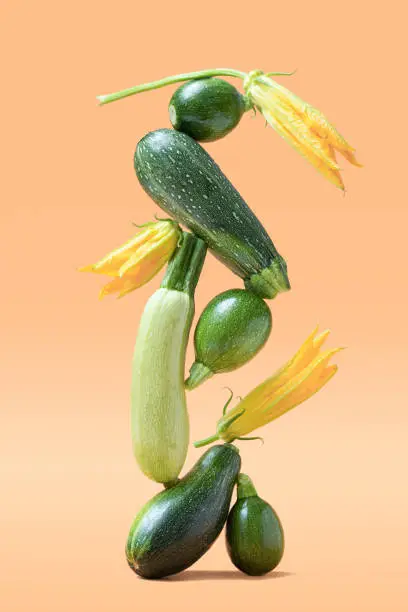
point(177, 526)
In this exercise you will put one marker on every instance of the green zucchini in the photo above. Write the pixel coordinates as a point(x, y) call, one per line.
point(177, 526)
point(206, 109)
point(185, 181)
point(231, 330)
point(254, 534)
point(159, 419)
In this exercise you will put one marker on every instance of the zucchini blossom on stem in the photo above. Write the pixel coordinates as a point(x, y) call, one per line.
point(138, 260)
point(300, 378)
point(300, 124)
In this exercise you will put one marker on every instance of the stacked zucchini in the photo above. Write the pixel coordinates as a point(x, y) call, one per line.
point(180, 523)
point(177, 526)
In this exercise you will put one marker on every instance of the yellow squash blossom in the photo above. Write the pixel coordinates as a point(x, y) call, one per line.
point(300, 124)
point(138, 260)
point(294, 383)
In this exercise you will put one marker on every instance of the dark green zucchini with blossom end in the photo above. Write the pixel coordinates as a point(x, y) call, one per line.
point(231, 330)
point(254, 534)
point(177, 526)
point(206, 109)
point(180, 176)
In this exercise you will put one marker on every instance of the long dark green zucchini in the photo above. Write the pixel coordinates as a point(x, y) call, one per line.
point(184, 180)
point(177, 526)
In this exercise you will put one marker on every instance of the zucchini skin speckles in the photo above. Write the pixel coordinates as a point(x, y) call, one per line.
point(183, 179)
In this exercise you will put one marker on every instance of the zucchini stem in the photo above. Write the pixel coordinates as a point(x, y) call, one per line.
point(245, 487)
point(178, 78)
point(184, 269)
point(206, 441)
point(198, 374)
point(200, 74)
point(220, 430)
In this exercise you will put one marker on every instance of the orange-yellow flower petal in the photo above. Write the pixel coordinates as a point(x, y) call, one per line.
point(320, 124)
point(138, 260)
point(111, 263)
point(304, 127)
point(300, 378)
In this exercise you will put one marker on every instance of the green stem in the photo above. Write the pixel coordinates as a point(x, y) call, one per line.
point(224, 410)
point(200, 74)
point(206, 441)
point(184, 268)
point(269, 74)
point(245, 487)
point(198, 374)
point(245, 438)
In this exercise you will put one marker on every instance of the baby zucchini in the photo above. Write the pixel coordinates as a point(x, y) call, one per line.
point(185, 181)
point(231, 330)
point(175, 528)
point(206, 109)
point(255, 540)
point(159, 419)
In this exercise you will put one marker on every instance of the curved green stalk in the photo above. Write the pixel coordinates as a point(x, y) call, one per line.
point(224, 410)
point(220, 430)
point(206, 441)
point(106, 99)
point(245, 438)
point(187, 76)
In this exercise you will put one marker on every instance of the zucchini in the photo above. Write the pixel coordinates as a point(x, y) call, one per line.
point(159, 419)
point(206, 109)
point(231, 330)
point(184, 180)
point(177, 526)
point(254, 534)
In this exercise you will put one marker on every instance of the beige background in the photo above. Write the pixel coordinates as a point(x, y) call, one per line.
point(335, 468)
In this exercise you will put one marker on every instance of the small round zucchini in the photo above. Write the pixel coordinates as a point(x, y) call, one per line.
point(231, 330)
point(206, 109)
point(255, 540)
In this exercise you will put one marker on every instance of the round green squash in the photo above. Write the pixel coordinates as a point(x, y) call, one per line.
point(206, 109)
point(254, 534)
point(231, 330)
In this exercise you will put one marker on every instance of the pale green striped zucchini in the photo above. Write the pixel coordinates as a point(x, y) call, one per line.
point(159, 419)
